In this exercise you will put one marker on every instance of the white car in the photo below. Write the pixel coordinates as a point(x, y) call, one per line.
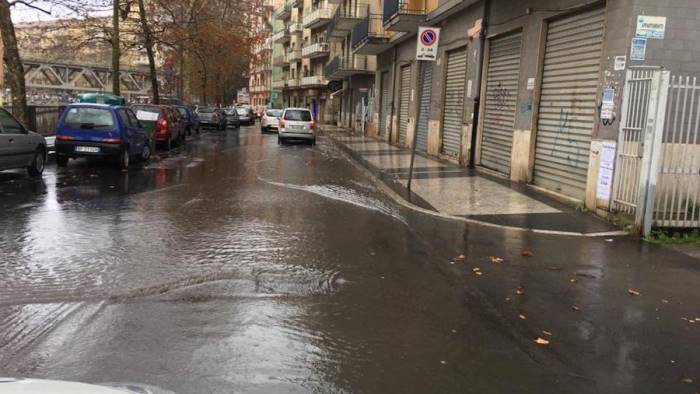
point(297, 123)
point(270, 120)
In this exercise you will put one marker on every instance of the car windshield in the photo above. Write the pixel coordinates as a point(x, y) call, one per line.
point(274, 113)
point(206, 110)
point(298, 114)
point(89, 119)
point(242, 111)
point(229, 111)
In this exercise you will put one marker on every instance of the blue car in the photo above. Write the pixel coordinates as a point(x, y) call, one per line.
point(190, 118)
point(101, 131)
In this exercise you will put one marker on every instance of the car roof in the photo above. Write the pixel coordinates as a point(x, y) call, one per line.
point(93, 105)
point(298, 109)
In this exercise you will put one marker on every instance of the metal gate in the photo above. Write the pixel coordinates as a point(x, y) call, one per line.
point(567, 109)
point(384, 103)
point(404, 99)
point(501, 99)
point(454, 102)
point(677, 192)
point(426, 87)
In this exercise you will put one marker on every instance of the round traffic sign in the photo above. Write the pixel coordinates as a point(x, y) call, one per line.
point(428, 37)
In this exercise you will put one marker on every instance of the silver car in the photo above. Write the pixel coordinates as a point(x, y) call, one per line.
point(297, 123)
point(19, 147)
point(270, 120)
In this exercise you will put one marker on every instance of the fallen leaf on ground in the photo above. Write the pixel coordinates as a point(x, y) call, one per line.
point(574, 307)
point(573, 280)
point(547, 333)
point(554, 268)
point(519, 291)
point(443, 362)
point(478, 273)
point(541, 341)
point(522, 317)
point(687, 380)
point(496, 260)
point(460, 258)
point(633, 292)
point(664, 301)
point(527, 253)
point(476, 269)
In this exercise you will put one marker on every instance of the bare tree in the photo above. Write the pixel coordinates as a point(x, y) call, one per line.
point(148, 43)
point(116, 50)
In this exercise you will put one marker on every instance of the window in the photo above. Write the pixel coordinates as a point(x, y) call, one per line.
point(182, 111)
point(89, 118)
point(133, 119)
point(274, 113)
point(124, 116)
point(298, 115)
point(9, 124)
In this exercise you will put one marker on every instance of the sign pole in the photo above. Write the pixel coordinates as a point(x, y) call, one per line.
point(426, 51)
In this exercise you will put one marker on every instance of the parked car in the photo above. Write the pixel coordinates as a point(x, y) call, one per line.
point(100, 131)
point(100, 98)
point(232, 118)
point(19, 147)
point(270, 120)
point(246, 115)
point(180, 124)
point(211, 117)
point(166, 131)
point(297, 123)
point(191, 119)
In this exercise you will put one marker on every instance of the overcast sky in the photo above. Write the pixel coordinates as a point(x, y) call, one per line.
point(22, 13)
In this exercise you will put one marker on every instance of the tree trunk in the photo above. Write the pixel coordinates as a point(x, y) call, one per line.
point(148, 43)
point(115, 48)
point(15, 70)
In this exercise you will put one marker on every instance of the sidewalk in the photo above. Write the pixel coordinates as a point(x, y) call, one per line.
point(465, 193)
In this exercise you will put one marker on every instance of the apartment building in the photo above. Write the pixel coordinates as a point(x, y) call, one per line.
point(260, 71)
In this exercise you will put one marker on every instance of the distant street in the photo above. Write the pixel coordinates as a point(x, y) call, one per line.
point(242, 266)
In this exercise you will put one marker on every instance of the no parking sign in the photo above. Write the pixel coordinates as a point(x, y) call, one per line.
point(427, 43)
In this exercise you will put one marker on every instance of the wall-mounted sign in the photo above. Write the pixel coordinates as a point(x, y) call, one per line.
point(605, 172)
point(639, 49)
point(608, 107)
point(620, 63)
point(653, 27)
point(427, 43)
point(531, 84)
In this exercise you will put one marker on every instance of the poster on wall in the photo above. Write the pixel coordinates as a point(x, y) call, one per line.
point(605, 172)
point(653, 27)
point(639, 49)
point(608, 106)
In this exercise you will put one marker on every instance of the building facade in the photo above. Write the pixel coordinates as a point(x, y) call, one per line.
point(260, 70)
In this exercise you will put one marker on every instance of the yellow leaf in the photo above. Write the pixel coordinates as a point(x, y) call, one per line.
point(496, 260)
point(574, 307)
point(547, 333)
point(523, 317)
point(541, 341)
point(527, 253)
point(633, 292)
point(519, 291)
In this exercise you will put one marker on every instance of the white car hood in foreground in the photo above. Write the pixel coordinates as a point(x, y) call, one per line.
point(35, 386)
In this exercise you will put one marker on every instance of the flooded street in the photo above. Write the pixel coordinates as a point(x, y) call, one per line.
point(242, 266)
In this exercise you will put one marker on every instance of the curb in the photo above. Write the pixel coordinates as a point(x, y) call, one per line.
point(379, 178)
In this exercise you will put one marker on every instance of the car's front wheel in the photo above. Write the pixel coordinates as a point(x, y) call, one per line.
point(146, 153)
point(38, 164)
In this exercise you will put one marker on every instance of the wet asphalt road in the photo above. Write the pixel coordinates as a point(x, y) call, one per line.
point(241, 266)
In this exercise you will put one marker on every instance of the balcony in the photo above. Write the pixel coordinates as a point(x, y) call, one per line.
point(369, 37)
point(317, 18)
point(280, 60)
point(295, 28)
point(281, 36)
point(293, 83)
point(344, 19)
point(284, 12)
point(266, 46)
point(403, 15)
point(314, 81)
point(263, 67)
point(295, 3)
point(341, 67)
point(279, 84)
point(316, 50)
point(259, 88)
point(294, 55)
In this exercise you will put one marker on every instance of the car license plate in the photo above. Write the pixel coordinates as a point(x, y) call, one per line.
point(296, 127)
point(87, 149)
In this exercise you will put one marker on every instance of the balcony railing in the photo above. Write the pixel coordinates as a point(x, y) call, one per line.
point(370, 31)
point(279, 84)
point(281, 36)
point(266, 46)
point(294, 55)
point(314, 81)
point(403, 15)
point(293, 83)
point(315, 50)
point(283, 12)
point(344, 19)
point(341, 66)
point(317, 18)
point(295, 28)
point(259, 88)
point(295, 3)
point(280, 60)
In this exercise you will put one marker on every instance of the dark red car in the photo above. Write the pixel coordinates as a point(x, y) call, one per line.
point(167, 126)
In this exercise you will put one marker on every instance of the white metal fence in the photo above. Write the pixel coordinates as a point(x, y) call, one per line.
point(657, 172)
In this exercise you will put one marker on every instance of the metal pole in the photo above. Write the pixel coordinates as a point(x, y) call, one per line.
point(421, 64)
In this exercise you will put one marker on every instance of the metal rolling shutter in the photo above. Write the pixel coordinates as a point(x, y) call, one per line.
point(454, 102)
point(568, 103)
point(426, 79)
point(384, 106)
point(501, 100)
point(403, 103)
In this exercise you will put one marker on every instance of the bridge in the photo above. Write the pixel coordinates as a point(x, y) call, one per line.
point(49, 81)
